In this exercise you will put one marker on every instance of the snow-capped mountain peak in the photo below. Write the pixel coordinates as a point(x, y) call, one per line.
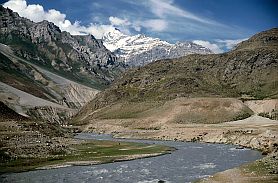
point(139, 49)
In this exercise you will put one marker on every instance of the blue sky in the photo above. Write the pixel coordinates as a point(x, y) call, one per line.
point(214, 23)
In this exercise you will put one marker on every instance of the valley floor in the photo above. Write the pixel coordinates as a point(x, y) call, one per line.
point(24, 143)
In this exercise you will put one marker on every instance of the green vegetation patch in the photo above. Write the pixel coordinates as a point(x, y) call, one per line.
point(93, 150)
point(271, 115)
point(265, 170)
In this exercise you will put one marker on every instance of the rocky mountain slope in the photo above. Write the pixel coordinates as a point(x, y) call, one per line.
point(248, 72)
point(58, 71)
point(34, 91)
point(139, 50)
point(81, 58)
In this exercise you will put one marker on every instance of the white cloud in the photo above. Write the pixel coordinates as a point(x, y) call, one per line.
point(136, 26)
point(55, 16)
point(212, 46)
point(118, 21)
point(98, 30)
point(219, 45)
point(16, 5)
point(230, 43)
point(36, 13)
point(167, 16)
point(166, 8)
point(155, 24)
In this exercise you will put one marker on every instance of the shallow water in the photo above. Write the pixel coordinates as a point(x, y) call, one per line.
point(189, 162)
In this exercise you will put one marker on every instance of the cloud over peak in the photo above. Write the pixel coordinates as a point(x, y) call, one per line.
point(218, 45)
point(155, 24)
point(36, 13)
point(118, 21)
point(212, 46)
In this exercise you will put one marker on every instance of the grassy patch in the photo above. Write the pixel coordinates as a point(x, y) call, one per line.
point(259, 167)
point(242, 115)
point(265, 170)
point(93, 150)
point(126, 110)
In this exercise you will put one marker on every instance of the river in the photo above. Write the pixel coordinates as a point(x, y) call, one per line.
point(191, 161)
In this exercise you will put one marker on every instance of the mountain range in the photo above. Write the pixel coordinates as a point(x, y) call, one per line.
point(139, 50)
point(62, 72)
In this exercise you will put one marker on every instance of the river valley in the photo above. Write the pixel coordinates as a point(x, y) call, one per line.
point(190, 162)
